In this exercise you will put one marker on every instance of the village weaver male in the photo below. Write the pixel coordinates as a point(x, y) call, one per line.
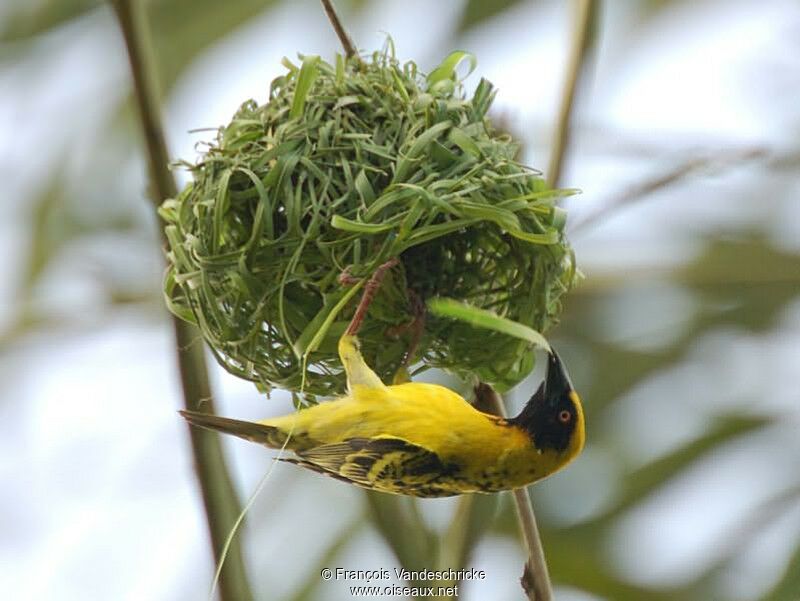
point(422, 440)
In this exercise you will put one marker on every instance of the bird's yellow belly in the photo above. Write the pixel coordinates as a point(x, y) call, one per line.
point(483, 454)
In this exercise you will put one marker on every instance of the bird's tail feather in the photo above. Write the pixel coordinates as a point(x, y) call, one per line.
point(270, 436)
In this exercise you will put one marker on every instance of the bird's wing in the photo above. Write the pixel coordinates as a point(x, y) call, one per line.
point(316, 468)
point(359, 375)
point(384, 463)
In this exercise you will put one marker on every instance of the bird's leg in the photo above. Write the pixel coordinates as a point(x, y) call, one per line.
point(370, 288)
point(358, 372)
point(346, 279)
point(416, 326)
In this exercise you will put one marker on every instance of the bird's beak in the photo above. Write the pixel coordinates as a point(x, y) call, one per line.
point(556, 383)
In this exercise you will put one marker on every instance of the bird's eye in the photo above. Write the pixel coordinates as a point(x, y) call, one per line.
point(564, 416)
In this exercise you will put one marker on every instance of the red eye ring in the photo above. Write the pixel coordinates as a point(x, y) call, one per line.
point(564, 416)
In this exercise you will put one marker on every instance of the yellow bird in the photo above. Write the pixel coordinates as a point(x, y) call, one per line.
point(422, 440)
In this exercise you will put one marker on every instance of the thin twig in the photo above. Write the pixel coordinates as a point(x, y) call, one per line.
point(581, 42)
point(535, 578)
point(219, 497)
point(648, 187)
point(347, 43)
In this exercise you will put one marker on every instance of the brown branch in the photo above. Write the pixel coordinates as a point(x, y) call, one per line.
point(535, 577)
point(581, 43)
point(219, 497)
point(344, 38)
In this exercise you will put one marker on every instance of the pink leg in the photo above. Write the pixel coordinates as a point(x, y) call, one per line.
point(370, 288)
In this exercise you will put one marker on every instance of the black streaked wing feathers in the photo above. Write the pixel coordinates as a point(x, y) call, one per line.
point(386, 463)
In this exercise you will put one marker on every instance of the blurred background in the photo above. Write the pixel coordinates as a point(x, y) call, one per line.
point(683, 339)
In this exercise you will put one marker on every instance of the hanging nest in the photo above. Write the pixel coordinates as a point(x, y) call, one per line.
point(347, 166)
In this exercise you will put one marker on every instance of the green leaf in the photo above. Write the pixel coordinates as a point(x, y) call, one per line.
point(464, 142)
point(28, 19)
point(418, 146)
point(546, 238)
point(559, 219)
point(788, 587)
point(305, 80)
point(746, 279)
point(485, 212)
point(312, 336)
point(349, 225)
point(652, 476)
point(481, 318)
point(477, 11)
point(364, 188)
point(182, 29)
point(446, 71)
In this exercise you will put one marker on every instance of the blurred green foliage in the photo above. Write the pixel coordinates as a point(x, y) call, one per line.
point(741, 280)
point(476, 12)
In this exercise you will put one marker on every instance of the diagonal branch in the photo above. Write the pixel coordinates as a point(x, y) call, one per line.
point(678, 173)
point(344, 38)
point(219, 497)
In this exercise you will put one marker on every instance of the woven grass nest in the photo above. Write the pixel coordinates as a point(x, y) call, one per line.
point(345, 167)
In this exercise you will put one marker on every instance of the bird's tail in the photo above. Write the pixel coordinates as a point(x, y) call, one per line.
point(270, 436)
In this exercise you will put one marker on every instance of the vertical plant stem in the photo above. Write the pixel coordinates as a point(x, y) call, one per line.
point(535, 578)
point(219, 497)
point(344, 38)
point(586, 14)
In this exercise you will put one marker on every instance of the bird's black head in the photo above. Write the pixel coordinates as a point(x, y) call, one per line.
point(553, 416)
